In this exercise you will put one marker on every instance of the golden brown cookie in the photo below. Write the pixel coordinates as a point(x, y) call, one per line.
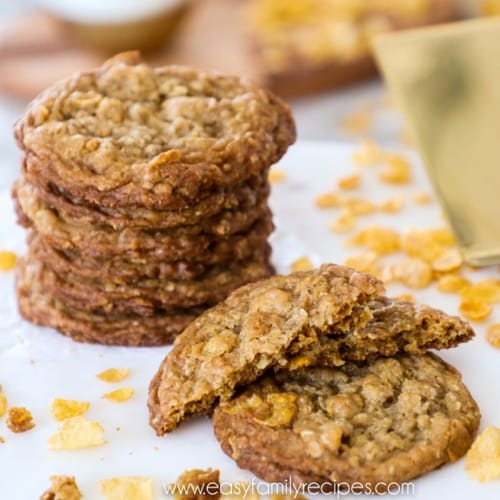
point(251, 331)
point(385, 421)
point(126, 134)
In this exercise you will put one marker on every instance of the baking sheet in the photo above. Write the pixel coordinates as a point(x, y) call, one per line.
point(38, 364)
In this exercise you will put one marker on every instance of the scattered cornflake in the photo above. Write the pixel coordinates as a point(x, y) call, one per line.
point(421, 198)
point(19, 419)
point(275, 175)
point(475, 310)
point(482, 461)
point(197, 484)
point(8, 260)
point(328, 200)
point(406, 296)
point(349, 182)
point(452, 283)
point(77, 432)
point(67, 408)
point(359, 206)
point(344, 222)
point(62, 488)
point(114, 374)
point(3, 403)
point(392, 205)
point(358, 122)
point(363, 262)
point(368, 154)
point(129, 487)
point(302, 264)
point(450, 260)
point(378, 239)
point(397, 170)
point(2, 440)
point(487, 290)
point(493, 335)
point(412, 272)
point(426, 244)
point(119, 395)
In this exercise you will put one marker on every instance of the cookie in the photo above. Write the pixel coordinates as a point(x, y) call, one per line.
point(127, 134)
point(149, 297)
point(373, 424)
point(120, 271)
point(223, 202)
point(189, 243)
point(251, 331)
point(39, 307)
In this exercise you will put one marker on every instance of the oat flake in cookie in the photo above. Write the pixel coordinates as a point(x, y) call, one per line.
point(387, 420)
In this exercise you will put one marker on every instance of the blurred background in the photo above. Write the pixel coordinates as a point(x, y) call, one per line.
point(314, 53)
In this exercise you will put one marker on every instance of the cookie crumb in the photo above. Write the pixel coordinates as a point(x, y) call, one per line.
point(114, 375)
point(197, 484)
point(482, 461)
point(62, 488)
point(19, 419)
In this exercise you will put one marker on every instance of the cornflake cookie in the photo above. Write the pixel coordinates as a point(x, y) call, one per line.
point(389, 420)
point(252, 330)
point(62, 488)
point(160, 138)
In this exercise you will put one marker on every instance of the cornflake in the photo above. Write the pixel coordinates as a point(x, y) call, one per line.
point(359, 122)
point(452, 283)
point(421, 198)
point(328, 200)
point(114, 375)
point(8, 260)
point(62, 488)
point(349, 182)
point(363, 262)
point(368, 154)
point(397, 170)
point(302, 264)
point(414, 273)
point(344, 222)
point(493, 335)
point(120, 395)
point(127, 487)
point(406, 296)
point(487, 290)
point(77, 432)
point(67, 408)
point(19, 419)
point(475, 310)
point(3, 403)
point(426, 244)
point(275, 175)
point(482, 461)
point(392, 205)
point(450, 260)
point(377, 239)
point(359, 206)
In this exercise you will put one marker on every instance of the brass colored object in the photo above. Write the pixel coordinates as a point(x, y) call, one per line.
point(447, 82)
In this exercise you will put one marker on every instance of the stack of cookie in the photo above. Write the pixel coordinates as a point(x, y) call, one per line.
point(145, 193)
point(339, 391)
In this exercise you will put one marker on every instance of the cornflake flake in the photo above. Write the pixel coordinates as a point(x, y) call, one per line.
point(119, 395)
point(275, 175)
point(482, 461)
point(114, 375)
point(474, 310)
point(127, 487)
point(75, 433)
point(493, 335)
point(19, 419)
point(328, 200)
point(302, 264)
point(62, 409)
point(377, 239)
point(8, 260)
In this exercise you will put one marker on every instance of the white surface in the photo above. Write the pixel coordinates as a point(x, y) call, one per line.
point(39, 364)
point(106, 11)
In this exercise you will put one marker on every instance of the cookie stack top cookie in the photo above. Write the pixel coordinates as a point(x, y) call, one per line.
point(128, 134)
point(145, 191)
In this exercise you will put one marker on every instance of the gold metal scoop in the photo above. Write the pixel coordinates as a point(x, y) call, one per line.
point(447, 82)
